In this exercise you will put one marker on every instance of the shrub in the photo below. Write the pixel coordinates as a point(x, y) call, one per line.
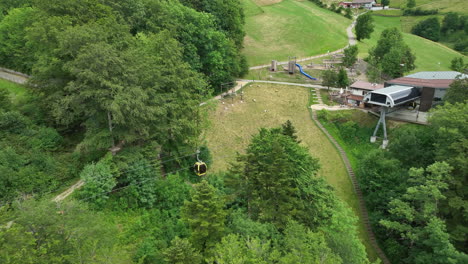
point(419, 12)
point(429, 29)
point(13, 122)
point(46, 138)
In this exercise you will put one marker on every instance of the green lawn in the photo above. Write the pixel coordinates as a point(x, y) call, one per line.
point(444, 6)
point(17, 91)
point(291, 28)
point(232, 127)
point(428, 53)
point(408, 22)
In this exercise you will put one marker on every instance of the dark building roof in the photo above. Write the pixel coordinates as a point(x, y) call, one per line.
point(355, 97)
point(428, 79)
point(361, 85)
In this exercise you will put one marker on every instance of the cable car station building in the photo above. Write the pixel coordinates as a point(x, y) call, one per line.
point(427, 88)
point(432, 85)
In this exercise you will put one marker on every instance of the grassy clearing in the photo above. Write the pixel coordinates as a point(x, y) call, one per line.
point(428, 53)
point(291, 28)
point(266, 2)
point(444, 6)
point(18, 91)
point(233, 126)
point(387, 12)
point(250, 8)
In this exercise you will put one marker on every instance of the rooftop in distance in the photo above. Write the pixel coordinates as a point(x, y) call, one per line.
point(437, 75)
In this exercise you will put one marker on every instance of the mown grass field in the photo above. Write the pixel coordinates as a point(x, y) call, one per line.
point(233, 126)
point(430, 56)
point(291, 28)
point(17, 91)
point(444, 6)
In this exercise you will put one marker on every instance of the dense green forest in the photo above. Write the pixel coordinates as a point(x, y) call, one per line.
point(114, 101)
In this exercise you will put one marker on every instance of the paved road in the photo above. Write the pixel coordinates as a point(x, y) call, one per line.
point(286, 83)
point(13, 76)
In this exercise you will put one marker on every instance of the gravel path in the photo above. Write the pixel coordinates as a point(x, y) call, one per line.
point(351, 41)
point(13, 76)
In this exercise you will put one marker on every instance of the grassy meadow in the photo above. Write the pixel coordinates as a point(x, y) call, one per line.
point(232, 127)
point(430, 56)
point(444, 6)
point(17, 91)
point(290, 28)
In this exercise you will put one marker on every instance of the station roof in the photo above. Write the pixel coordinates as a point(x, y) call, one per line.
point(366, 85)
point(437, 75)
point(392, 89)
point(441, 79)
point(392, 96)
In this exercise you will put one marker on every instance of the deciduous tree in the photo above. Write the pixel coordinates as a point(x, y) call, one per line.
point(350, 57)
point(364, 26)
point(458, 64)
point(343, 80)
point(458, 91)
point(429, 28)
point(411, 3)
point(329, 78)
point(98, 180)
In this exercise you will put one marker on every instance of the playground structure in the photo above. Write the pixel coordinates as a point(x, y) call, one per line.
point(305, 74)
point(387, 98)
point(291, 69)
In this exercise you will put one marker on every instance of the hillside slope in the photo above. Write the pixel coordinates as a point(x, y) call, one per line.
point(290, 28)
point(430, 56)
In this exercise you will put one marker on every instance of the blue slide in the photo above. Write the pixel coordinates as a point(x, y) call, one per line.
point(306, 75)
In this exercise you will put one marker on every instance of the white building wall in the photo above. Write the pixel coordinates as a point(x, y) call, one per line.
point(440, 93)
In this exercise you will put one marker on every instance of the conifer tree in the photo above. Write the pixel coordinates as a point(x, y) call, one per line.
point(205, 216)
point(289, 130)
point(181, 251)
point(277, 181)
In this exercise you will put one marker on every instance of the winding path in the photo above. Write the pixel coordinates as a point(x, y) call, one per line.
point(351, 41)
point(362, 206)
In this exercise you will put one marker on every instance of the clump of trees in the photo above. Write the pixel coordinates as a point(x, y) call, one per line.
point(331, 78)
point(124, 72)
point(454, 28)
point(429, 28)
point(270, 207)
point(391, 57)
point(419, 12)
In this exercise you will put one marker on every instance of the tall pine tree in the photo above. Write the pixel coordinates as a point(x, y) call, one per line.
point(205, 216)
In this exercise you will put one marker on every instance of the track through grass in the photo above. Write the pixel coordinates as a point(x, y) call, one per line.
point(291, 28)
point(232, 127)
